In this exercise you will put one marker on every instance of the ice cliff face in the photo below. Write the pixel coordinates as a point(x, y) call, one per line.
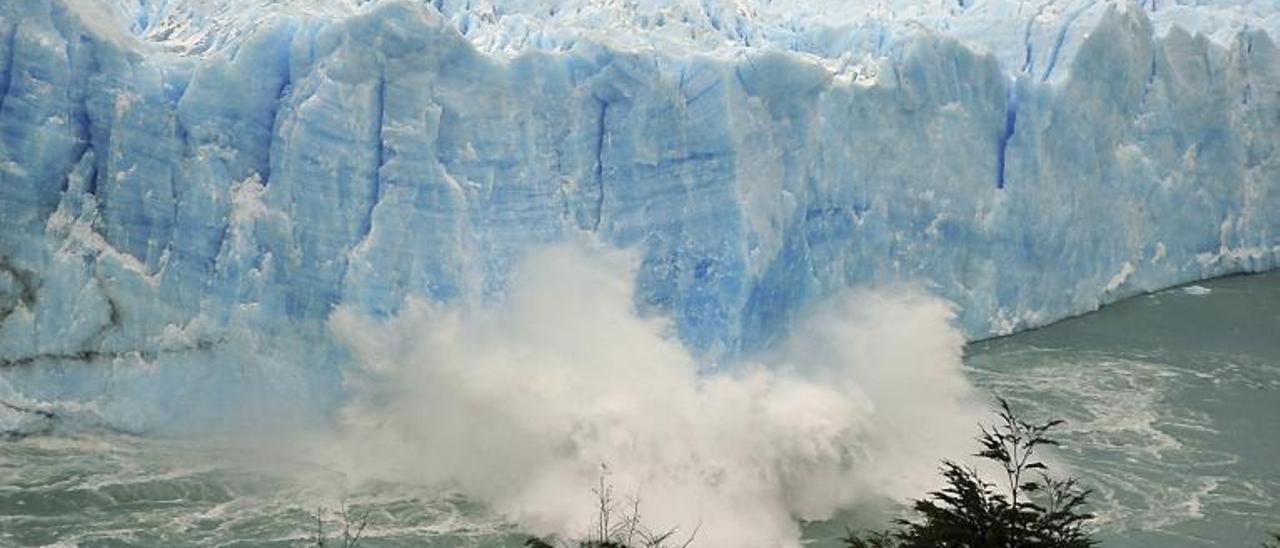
point(182, 180)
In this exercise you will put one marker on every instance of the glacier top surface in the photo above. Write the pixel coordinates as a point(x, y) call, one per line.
point(1028, 36)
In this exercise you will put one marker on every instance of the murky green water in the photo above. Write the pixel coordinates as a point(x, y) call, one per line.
point(1173, 403)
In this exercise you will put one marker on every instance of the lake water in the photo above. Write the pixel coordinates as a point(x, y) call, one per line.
point(1173, 408)
point(1172, 402)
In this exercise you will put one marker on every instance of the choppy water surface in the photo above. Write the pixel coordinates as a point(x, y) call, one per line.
point(1172, 402)
point(107, 490)
point(1173, 408)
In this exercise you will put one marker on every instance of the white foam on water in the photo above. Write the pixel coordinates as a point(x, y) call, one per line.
point(1124, 434)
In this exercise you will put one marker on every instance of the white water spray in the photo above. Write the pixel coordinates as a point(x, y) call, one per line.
point(521, 404)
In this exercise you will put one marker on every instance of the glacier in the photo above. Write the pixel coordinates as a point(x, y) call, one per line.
point(188, 189)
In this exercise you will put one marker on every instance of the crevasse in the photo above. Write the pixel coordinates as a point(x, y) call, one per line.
point(186, 184)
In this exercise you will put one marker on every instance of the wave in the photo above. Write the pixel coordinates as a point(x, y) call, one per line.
point(524, 404)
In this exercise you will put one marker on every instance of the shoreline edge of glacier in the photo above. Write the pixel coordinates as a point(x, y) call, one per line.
point(158, 208)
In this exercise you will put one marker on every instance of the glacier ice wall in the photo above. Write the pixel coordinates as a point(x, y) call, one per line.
point(181, 182)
